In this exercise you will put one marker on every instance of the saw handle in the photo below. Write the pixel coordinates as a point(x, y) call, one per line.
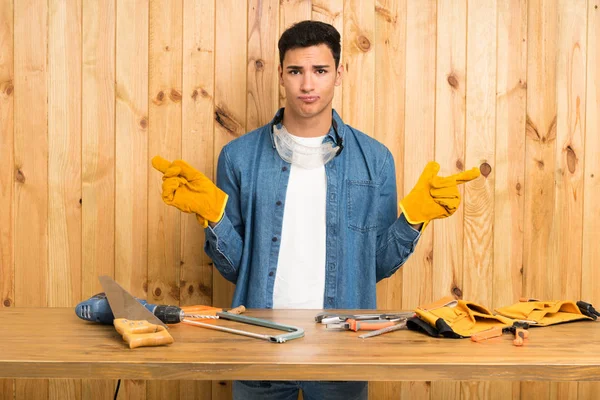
point(142, 333)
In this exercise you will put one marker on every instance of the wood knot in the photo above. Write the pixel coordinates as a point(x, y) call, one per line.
point(80, 201)
point(571, 159)
point(7, 303)
point(143, 123)
point(260, 65)
point(453, 81)
point(166, 48)
point(485, 169)
point(157, 292)
point(175, 96)
point(9, 89)
point(19, 176)
point(459, 165)
point(191, 290)
point(145, 287)
point(540, 164)
point(522, 84)
point(518, 187)
point(457, 292)
point(227, 121)
point(194, 94)
point(363, 43)
point(159, 97)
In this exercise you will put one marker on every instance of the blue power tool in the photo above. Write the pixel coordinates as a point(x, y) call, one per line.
point(97, 309)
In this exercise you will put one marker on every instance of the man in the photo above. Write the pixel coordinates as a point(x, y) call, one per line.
point(305, 210)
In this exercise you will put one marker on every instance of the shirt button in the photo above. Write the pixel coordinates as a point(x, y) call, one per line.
point(271, 273)
point(274, 239)
point(284, 169)
point(278, 203)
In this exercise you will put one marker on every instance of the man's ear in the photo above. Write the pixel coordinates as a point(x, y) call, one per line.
point(280, 72)
point(339, 73)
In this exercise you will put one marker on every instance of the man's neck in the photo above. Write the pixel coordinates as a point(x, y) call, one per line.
point(316, 126)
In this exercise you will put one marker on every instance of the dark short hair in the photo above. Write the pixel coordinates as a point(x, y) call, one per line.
point(310, 33)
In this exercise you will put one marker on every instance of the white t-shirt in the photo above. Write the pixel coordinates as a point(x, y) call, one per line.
point(300, 278)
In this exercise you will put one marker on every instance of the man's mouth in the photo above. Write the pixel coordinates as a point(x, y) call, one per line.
point(309, 99)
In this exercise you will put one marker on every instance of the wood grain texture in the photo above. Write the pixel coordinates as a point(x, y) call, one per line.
point(539, 147)
point(450, 88)
point(98, 144)
point(262, 79)
point(7, 389)
point(131, 148)
point(230, 99)
point(390, 83)
point(164, 138)
point(419, 138)
point(64, 153)
point(31, 153)
point(62, 350)
point(64, 389)
point(358, 46)
point(511, 114)
point(565, 256)
point(7, 175)
point(480, 148)
point(590, 274)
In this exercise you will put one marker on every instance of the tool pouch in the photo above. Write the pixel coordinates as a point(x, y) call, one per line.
point(457, 319)
point(543, 313)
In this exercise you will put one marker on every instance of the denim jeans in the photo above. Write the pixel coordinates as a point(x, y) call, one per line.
point(288, 390)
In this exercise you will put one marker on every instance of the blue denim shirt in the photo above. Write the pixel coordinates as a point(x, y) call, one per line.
point(366, 241)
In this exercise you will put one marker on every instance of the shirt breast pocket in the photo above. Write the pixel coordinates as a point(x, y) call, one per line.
point(362, 205)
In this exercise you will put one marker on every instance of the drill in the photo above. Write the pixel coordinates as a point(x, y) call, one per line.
point(97, 309)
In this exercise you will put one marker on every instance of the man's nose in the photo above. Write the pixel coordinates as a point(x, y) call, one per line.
point(307, 83)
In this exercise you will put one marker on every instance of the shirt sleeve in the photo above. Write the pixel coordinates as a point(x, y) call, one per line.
point(396, 238)
point(224, 242)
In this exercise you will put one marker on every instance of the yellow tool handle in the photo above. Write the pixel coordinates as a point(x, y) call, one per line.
point(237, 310)
point(142, 333)
point(487, 334)
point(158, 338)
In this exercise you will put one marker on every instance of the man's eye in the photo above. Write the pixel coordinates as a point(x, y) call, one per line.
point(294, 72)
point(321, 71)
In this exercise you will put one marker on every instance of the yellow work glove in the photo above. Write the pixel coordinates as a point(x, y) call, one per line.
point(190, 190)
point(434, 196)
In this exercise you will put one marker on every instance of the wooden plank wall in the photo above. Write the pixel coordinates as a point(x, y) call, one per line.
point(90, 90)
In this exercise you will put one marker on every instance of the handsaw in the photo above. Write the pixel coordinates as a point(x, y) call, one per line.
point(138, 326)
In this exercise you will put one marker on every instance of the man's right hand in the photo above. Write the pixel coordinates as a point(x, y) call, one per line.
point(434, 196)
point(190, 190)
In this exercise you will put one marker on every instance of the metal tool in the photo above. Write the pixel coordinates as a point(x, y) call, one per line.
point(364, 325)
point(333, 318)
point(294, 332)
point(395, 327)
point(124, 305)
point(138, 326)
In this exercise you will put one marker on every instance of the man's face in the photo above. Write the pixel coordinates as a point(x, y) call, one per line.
point(309, 77)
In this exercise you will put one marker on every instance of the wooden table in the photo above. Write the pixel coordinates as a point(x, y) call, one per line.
point(54, 343)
